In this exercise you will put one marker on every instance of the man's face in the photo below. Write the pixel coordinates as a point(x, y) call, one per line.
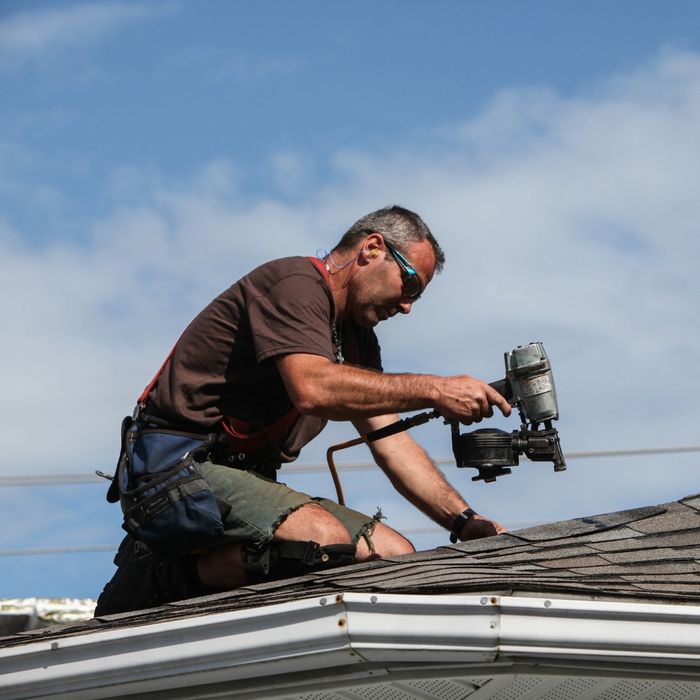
point(379, 290)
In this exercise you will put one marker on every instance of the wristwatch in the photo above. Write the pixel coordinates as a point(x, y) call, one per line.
point(460, 521)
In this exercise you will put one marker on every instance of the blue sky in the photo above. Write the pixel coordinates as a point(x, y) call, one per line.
point(152, 152)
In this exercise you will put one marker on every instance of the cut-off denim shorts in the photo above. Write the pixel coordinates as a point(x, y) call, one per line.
point(259, 505)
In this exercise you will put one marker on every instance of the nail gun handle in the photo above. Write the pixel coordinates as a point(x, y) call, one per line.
point(504, 388)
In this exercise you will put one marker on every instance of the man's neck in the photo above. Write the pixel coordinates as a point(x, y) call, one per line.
point(340, 268)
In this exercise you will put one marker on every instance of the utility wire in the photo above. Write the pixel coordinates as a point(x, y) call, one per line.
point(61, 479)
point(89, 548)
point(88, 478)
point(76, 549)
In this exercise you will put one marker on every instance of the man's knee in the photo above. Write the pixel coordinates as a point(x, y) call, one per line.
point(381, 541)
point(308, 538)
point(312, 523)
point(222, 567)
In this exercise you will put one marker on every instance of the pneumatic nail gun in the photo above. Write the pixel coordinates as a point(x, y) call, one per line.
point(529, 387)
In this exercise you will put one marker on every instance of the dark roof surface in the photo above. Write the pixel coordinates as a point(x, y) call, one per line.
point(649, 554)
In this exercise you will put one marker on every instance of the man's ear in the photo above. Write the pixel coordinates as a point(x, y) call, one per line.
point(372, 245)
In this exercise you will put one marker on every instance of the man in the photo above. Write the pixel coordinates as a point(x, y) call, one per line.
point(254, 378)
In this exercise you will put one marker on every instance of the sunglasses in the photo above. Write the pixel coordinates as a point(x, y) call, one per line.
point(412, 285)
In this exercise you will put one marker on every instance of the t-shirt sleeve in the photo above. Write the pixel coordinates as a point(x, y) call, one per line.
point(361, 347)
point(371, 352)
point(294, 316)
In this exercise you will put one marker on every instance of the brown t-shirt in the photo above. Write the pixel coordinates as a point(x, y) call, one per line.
point(223, 363)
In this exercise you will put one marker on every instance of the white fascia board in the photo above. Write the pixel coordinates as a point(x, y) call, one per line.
point(232, 645)
point(355, 631)
point(589, 631)
point(545, 630)
point(294, 637)
point(540, 631)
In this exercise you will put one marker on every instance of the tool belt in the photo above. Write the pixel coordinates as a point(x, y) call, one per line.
point(165, 501)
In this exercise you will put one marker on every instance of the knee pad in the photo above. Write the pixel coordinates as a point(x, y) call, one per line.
point(290, 558)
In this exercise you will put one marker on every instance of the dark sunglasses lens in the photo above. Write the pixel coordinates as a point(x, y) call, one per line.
point(412, 286)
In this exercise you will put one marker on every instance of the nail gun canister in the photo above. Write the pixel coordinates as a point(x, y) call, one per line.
point(530, 374)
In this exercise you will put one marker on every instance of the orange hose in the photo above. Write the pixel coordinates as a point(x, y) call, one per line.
point(331, 464)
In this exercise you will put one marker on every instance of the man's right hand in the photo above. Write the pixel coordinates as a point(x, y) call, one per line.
point(468, 399)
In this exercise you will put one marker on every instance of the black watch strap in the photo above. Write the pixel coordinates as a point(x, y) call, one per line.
point(460, 521)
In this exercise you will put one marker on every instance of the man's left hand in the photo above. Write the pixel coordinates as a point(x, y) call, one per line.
point(478, 526)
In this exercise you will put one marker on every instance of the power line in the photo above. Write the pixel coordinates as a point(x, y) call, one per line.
point(91, 478)
point(87, 478)
point(92, 548)
point(50, 479)
point(73, 549)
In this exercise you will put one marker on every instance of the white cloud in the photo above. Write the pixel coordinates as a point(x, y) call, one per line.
point(290, 172)
point(246, 72)
point(35, 33)
point(567, 220)
point(226, 67)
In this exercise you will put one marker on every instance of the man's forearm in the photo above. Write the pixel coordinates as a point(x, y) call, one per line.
point(353, 392)
point(417, 479)
point(344, 392)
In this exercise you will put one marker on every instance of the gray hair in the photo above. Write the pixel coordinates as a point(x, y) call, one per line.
point(400, 227)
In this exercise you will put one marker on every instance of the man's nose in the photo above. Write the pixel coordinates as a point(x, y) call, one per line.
point(405, 306)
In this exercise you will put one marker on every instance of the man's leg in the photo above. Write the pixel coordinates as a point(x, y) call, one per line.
point(372, 539)
point(145, 580)
point(224, 566)
point(383, 542)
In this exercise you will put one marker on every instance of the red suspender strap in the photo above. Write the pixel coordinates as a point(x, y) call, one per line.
point(239, 439)
point(144, 394)
point(321, 268)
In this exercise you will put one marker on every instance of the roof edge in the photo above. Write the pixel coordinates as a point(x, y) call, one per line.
point(355, 632)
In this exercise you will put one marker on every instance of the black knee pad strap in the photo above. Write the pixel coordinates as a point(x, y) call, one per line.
point(289, 558)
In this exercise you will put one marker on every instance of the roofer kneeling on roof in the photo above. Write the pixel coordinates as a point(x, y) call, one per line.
point(253, 378)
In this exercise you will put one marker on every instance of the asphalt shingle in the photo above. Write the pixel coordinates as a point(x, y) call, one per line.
point(643, 554)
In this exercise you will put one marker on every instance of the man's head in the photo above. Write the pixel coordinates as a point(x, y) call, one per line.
point(396, 256)
point(400, 228)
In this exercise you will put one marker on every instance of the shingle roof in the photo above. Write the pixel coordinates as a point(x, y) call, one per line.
point(643, 554)
point(650, 553)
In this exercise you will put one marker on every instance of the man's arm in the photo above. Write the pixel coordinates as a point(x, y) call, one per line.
point(417, 479)
point(323, 388)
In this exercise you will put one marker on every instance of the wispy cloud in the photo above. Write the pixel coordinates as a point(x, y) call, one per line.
point(227, 67)
point(37, 33)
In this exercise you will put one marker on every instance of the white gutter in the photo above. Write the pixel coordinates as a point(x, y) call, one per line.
point(356, 635)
